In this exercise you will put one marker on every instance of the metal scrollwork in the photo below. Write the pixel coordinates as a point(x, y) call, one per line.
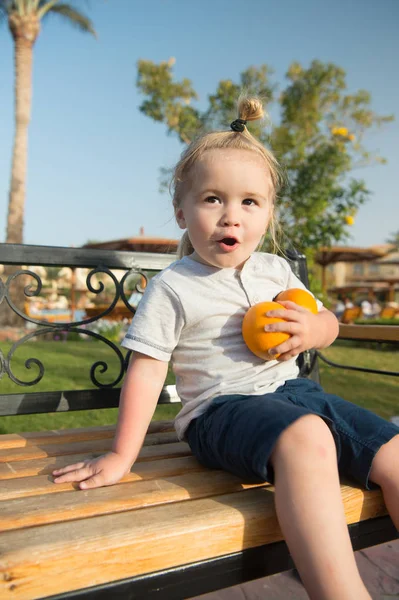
point(79, 327)
point(30, 362)
point(99, 290)
point(29, 291)
point(2, 365)
point(138, 287)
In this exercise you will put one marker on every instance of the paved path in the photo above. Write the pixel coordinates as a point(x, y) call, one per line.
point(378, 566)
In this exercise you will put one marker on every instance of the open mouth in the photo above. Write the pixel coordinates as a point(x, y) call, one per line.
point(228, 243)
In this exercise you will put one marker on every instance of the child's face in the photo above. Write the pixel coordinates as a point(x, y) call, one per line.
point(227, 206)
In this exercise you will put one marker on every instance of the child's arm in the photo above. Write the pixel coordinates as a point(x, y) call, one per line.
point(307, 330)
point(139, 396)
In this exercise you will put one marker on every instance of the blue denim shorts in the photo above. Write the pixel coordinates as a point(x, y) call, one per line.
point(238, 433)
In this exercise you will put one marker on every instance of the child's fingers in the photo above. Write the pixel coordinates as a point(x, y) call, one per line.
point(287, 349)
point(286, 314)
point(287, 356)
point(292, 313)
point(291, 327)
point(75, 475)
point(94, 481)
point(68, 468)
point(293, 306)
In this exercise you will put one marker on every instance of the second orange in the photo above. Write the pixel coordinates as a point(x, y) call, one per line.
point(299, 296)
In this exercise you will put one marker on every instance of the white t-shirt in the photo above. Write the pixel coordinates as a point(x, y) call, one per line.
point(192, 314)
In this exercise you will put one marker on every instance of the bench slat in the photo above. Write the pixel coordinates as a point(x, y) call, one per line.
point(41, 466)
point(100, 445)
point(67, 506)
point(143, 541)
point(43, 484)
point(382, 333)
point(21, 440)
point(32, 438)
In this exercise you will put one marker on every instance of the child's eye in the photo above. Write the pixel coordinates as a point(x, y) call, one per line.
point(212, 199)
point(249, 202)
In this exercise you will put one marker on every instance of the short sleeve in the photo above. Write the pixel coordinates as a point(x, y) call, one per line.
point(156, 326)
point(292, 281)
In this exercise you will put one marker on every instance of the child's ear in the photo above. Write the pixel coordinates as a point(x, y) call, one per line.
point(180, 218)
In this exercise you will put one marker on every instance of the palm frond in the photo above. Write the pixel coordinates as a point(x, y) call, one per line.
point(44, 6)
point(6, 6)
point(70, 13)
point(22, 7)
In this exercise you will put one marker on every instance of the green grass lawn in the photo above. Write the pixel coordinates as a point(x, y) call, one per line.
point(67, 367)
point(378, 393)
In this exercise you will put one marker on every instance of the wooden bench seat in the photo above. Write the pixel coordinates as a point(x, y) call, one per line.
point(168, 511)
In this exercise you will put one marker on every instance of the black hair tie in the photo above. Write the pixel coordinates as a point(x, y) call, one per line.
point(238, 125)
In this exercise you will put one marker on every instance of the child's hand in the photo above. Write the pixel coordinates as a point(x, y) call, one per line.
point(303, 327)
point(105, 470)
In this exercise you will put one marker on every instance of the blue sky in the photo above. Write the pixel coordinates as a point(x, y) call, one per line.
point(93, 167)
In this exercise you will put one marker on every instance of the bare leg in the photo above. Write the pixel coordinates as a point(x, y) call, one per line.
point(310, 511)
point(385, 473)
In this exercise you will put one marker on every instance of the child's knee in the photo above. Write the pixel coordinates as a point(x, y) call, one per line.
point(308, 438)
point(385, 466)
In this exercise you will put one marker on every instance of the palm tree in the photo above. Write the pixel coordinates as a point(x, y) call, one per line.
point(24, 19)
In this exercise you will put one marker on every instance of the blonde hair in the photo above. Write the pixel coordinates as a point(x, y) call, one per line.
point(249, 109)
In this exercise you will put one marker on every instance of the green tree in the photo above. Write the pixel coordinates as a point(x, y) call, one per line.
point(168, 101)
point(24, 21)
point(318, 138)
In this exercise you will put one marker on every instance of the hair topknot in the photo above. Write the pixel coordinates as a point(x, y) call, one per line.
point(250, 109)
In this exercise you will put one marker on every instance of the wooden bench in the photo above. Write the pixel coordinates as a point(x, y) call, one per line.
point(171, 529)
point(167, 513)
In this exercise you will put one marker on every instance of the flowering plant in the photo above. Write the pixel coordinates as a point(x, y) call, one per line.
point(114, 331)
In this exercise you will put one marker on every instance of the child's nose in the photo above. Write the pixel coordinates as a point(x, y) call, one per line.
point(230, 217)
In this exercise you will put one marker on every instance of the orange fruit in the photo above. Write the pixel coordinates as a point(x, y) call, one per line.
point(301, 297)
point(256, 338)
